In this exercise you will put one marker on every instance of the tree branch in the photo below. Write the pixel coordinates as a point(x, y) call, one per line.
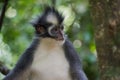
point(3, 13)
point(53, 3)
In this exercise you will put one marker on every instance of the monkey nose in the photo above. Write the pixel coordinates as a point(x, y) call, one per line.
point(60, 36)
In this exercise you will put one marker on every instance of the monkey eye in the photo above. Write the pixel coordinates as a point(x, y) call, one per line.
point(54, 29)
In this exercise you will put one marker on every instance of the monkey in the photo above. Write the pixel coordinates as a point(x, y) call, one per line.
point(51, 55)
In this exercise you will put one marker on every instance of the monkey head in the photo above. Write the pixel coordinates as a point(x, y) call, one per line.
point(50, 24)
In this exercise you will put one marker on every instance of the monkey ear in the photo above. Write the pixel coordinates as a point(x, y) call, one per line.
point(40, 29)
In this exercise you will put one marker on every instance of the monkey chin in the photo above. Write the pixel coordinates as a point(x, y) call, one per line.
point(59, 41)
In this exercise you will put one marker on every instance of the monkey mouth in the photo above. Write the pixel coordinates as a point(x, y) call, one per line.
point(60, 37)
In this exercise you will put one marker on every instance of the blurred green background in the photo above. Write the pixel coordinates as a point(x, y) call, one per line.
point(17, 32)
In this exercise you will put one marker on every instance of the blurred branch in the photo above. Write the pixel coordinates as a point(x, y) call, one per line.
point(3, 69)
point(53, 3)
point(3, 13)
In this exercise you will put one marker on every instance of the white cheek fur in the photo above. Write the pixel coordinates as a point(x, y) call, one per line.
point(49, 30)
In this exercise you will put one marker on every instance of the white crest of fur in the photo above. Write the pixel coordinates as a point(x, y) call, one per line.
point(49, 29)
point(51, 18)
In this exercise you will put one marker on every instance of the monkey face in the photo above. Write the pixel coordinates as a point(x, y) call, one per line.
point(56, 28)
point(56, 32)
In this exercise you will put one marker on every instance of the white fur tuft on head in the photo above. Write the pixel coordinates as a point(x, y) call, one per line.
point(51, 18)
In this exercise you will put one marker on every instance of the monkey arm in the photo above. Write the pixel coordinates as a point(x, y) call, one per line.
point(21, 67)
point(21, 70)
point(75, 65)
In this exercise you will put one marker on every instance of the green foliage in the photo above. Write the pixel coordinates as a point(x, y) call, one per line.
point(18, 33)
point(4, 52)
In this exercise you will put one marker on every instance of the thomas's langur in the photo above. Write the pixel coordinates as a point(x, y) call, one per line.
point(51, 55)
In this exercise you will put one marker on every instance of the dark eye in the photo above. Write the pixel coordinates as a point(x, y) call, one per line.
point(54, 29)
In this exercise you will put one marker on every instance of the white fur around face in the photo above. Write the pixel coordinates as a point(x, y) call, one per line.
point(49, 29)
point(51, 18)
point(49, 61)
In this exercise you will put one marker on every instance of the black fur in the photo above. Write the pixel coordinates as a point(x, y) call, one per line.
point(24, 62)
point(76, 70)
